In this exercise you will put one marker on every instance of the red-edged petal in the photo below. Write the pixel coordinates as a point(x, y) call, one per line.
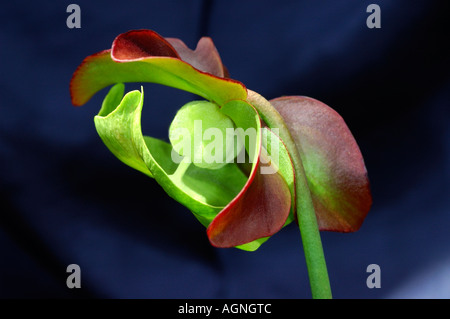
point(135, 45)
point(262, 206)
point(260, 210)
point(333, 163)
point(145, 56)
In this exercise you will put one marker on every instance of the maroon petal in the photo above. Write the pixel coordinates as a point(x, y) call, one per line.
point(140, 44)
point(260, 210)
point(333, 163)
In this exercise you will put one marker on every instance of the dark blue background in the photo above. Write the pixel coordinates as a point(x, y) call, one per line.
point(65, 198)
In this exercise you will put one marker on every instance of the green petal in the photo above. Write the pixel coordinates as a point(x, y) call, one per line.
point(112, 124)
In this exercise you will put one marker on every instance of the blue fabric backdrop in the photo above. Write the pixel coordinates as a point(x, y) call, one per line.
point(65, 199)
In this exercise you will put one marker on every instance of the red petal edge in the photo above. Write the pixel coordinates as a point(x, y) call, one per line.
point(136, 45)
point(76, 82)
point(140, 44)
point(260, 210)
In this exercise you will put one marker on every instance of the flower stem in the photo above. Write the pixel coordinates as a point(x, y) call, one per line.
point(312, 244)
point(307, 221)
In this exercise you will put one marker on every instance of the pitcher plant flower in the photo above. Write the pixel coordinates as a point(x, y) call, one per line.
point(244, 166)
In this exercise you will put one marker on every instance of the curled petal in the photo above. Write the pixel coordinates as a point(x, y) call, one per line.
point(140, 44)
point(260, 210)
point(262, 207)
point(203, 191)
point(145, 56)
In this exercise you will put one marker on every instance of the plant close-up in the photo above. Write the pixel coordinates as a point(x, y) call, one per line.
point(225, 157)
point(243, 165)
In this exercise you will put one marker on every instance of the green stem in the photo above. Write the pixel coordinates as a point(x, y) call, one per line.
point(307, 221)
point(309, 230)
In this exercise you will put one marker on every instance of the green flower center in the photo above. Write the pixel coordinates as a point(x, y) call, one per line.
point(203, 135)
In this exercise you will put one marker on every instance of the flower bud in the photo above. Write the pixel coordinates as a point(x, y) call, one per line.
point(203, 135)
